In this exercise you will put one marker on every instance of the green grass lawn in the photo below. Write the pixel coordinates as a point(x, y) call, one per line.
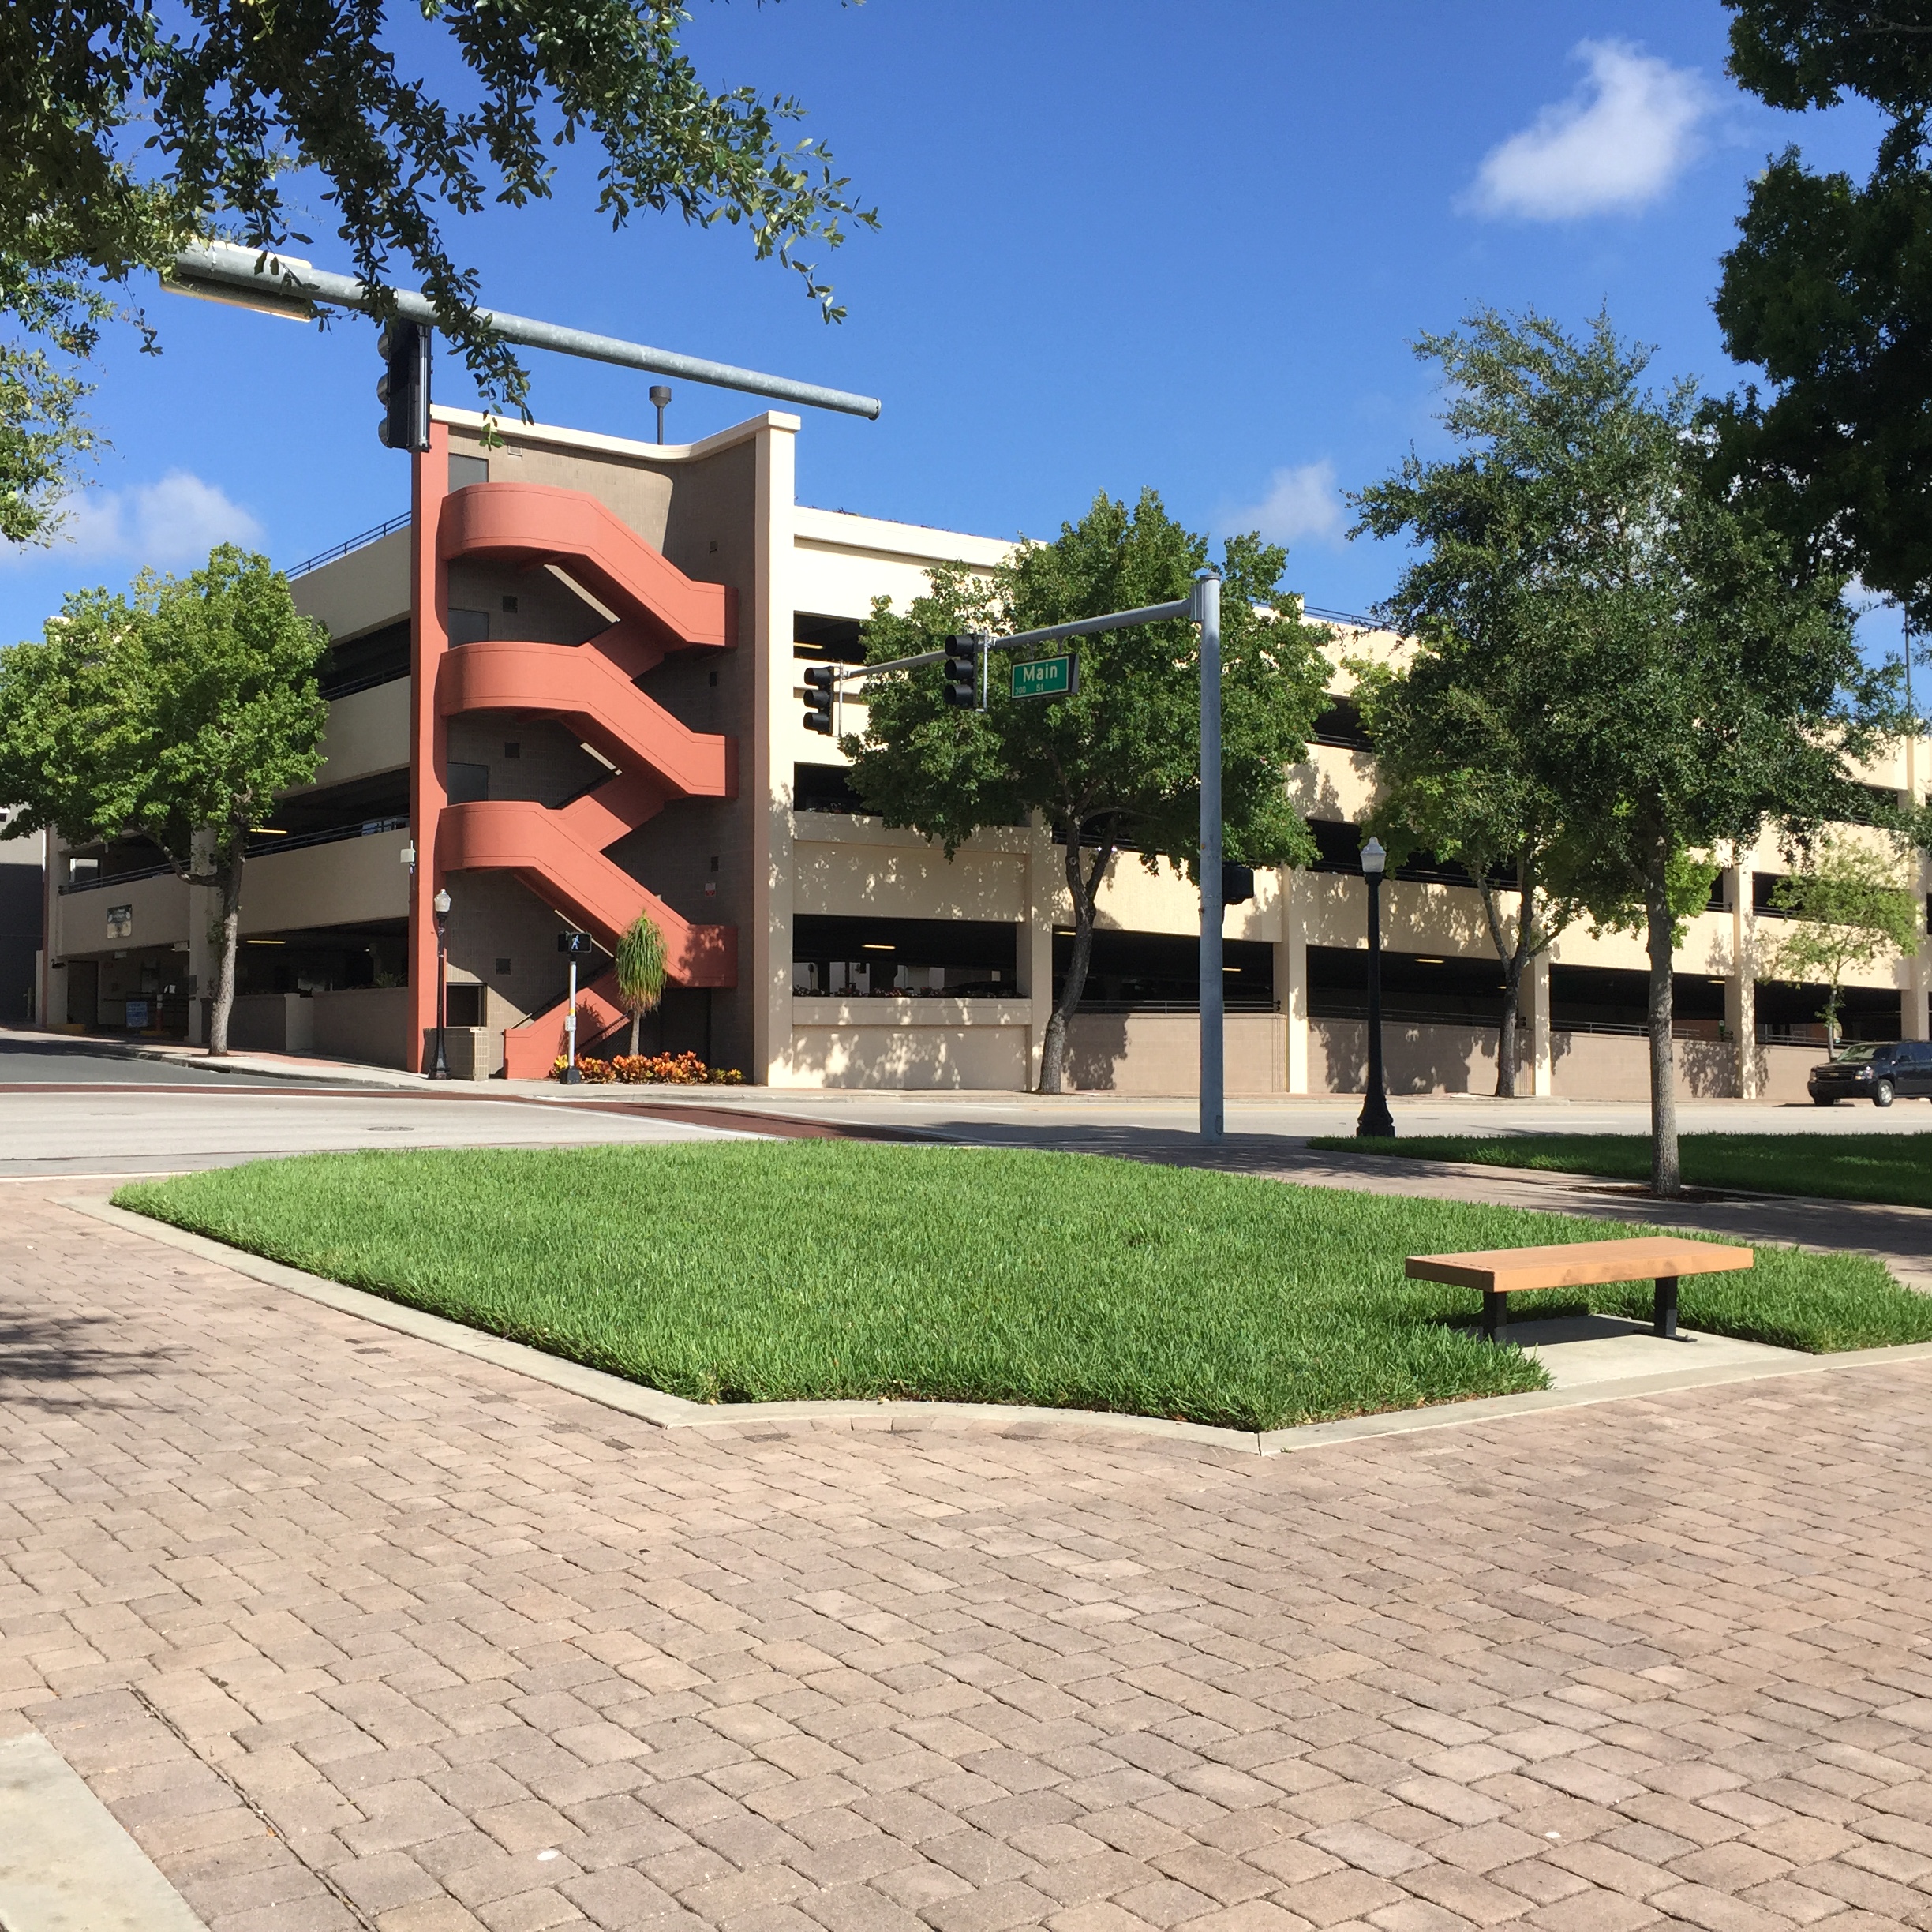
point(1895, 1168)
point(758, 1270)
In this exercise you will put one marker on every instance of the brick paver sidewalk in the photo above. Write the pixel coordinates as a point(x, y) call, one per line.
point(350, 1631)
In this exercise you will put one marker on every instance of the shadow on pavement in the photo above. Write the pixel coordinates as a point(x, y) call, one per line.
point(44, 1363)
point(1899, 1236)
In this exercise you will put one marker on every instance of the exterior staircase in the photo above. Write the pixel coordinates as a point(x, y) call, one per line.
point(559, 852)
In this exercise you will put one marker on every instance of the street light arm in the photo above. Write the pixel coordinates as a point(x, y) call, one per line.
point(283, 285)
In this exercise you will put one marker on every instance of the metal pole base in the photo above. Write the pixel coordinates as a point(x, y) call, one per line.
point(1374, 1122)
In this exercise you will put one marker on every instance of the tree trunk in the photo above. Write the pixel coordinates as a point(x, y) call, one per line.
point(231, 929)
point(1084, 890)
point(1505, 1040)
point(1665, 1176)
point(637, 1020)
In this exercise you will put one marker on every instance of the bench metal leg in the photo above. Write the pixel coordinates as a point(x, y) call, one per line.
point(1495, 1315)
point(1663, 1319)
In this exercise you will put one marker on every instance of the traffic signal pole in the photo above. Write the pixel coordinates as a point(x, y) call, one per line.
point(1206, 613)
point(1202, 606)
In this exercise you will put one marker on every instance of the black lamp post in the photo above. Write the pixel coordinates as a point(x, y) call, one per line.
point(439, 1069)
point(1374, 1122)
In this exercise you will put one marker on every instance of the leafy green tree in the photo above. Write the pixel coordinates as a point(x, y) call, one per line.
point(1115, 767)
point(1851, 908)
point(1449, 727)
point(1456, 723)
point(178, 712)
point(1828, 291)
point(127, 130)
point(1698, 676)
point(640, 965)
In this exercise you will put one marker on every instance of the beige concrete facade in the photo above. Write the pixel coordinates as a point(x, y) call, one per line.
point(781, 860)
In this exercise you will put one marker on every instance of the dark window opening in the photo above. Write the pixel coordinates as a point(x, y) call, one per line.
point(825, 789)
point(359, 663)
point(469, 626)
point(468, 783)
point(463, 1004)
point(869, 958)
point(325, 958)
point(1615, 999)
point(839, 640)
point(1793, 1014)
point(1417, 987)
point(358, 809)
point(1871, 805)
point(1338, 848)
point(1341, 725)
point(464, 470)
point(118, 859)
point(1160, 972)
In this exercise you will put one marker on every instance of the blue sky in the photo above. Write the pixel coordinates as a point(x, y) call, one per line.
point(1115, 251)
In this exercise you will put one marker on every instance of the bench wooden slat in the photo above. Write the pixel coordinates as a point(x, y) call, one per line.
point(1500, 1272)
point(1578, 1265)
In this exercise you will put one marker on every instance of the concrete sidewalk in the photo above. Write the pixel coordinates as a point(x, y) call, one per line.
point(355, 1636)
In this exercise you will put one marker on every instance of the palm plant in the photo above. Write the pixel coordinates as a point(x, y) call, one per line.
point(640, 971)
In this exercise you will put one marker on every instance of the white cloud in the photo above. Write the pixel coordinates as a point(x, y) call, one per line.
point(175, 522)
point(1617, 144)
point(1303, 505)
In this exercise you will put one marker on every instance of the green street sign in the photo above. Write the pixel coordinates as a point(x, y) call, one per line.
point(1045, 677)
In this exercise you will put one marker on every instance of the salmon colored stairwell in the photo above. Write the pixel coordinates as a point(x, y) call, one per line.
point(559, 852)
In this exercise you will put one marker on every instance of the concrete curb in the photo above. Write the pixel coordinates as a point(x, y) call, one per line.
point(674, 1412)
point(66, 1865)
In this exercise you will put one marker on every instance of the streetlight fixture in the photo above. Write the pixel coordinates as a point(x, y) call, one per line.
point(660, 394)
point(1374, 1122)
point(439, 1069)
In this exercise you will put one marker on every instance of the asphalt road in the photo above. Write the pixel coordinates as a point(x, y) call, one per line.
point(82, 1107)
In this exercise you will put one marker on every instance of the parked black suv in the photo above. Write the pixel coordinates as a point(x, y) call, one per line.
point(1878, 1074)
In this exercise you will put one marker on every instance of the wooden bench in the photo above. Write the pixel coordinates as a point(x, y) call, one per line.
point(1502, 1272)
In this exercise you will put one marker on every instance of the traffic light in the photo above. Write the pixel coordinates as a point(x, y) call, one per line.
point(962, 673)
point(1237, 883)
point(818, 698)
point(404, 389)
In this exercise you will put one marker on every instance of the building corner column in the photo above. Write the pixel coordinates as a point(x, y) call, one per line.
point(1741, 987)
point(775, 726)
point(428, 734)
point(1035, 947)
point(1535, 996)
point(1291, 978)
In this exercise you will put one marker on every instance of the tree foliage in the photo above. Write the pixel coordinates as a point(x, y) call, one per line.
point(1115, 767)
point(178, 713)
point(1851, 907)
point(1673, 673)
point(127, 130)
point(1828, 291)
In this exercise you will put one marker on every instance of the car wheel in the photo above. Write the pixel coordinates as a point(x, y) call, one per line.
point(1824, 1099)
point(1881, 1094)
